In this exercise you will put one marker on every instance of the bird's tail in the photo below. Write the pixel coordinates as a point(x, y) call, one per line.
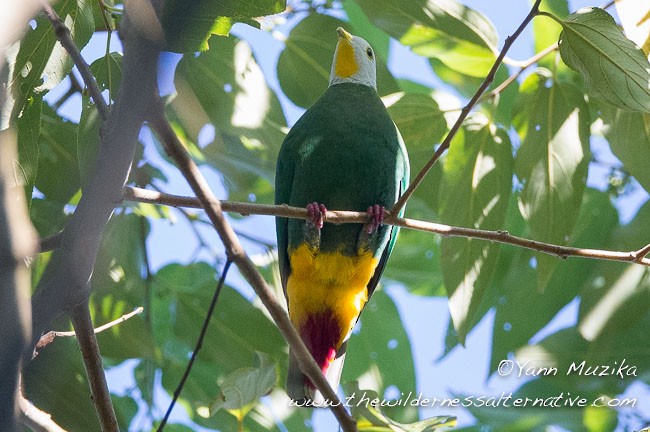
point(300, 389)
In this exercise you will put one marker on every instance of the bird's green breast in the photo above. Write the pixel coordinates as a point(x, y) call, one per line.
point(345, 153)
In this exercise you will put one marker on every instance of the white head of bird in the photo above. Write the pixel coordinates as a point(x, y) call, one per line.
point(354, 61)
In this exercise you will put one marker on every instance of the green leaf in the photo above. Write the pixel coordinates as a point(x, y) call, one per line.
point(514, 324)
point(226, 87)
point(458, 36)
point(618, 296)
point(613, 67)
point(552, 120)
point(108, 73)
point(181, 298)
point(42, 63)
point(377, 38)
point(367, 408)
point(189, 25)
point(547, 32)
point(414, 262)
point(29, 129)
point(243, 387)
point(475, 189)
point(57, 371)
point(628, 134)
point(304, 64)
point(119, 287)
point(422, 125)
point(58, 171)
point(381, 350)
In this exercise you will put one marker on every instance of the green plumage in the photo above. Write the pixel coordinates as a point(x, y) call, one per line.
point(346, 153)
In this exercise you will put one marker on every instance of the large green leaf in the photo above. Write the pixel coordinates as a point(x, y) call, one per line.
point(613, 67)
point(514, 323)
point(458, 36)
point(55, 381)
point(381, 353)
point(618, 295)
point(58, 171)
point(181, 295)
point(628, 134)
point(107, 70)
point(414, 262)
point(552, 120)
point(189, 24)
point(226, 87)
point(304, 64)
point(119, 287)
point(476, 186)
point(41, 62)
point(422, 125)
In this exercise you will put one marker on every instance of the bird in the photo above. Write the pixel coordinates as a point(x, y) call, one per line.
point(344, 153)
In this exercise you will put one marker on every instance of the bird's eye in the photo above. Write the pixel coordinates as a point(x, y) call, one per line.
point(370, 53)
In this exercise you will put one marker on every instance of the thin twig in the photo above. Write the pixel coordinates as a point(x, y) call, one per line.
point(524, 65)
point(35, 419)
point(339, 217)
point(465, 111)
point(247, 268)
point(87, 341)
point(64, 37)
point(642, 253)
point(49, 337)
point(199, 344)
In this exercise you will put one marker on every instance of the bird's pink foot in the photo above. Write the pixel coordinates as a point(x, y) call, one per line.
point(376, 216)
point(316, 214)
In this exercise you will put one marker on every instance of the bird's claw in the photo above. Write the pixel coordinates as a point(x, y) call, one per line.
point(376, 216)
point(316, 214)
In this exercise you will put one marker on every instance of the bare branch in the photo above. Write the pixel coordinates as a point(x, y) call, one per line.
point(49, 337)
point(342, 216)
point(64, 37)
point(237, 255)
point(35, 419)
point(99, 393)
point(641, 254)
point(465, 111)
point(17, 242)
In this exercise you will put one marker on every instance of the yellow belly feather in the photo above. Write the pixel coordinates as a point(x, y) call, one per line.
point(321, 281)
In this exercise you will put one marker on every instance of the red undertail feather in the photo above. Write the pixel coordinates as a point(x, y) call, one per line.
point(321, 333)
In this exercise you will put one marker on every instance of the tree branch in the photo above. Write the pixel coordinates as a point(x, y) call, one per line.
point(99, 394)
point(238, 256)
point(35, 419)
point(341, 216)
point(65, 283)
point(63, 35)
point(49, 337)
point(465, 111)
point(18, 241)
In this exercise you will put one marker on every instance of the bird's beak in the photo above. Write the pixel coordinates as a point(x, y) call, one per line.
point(343, 34)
